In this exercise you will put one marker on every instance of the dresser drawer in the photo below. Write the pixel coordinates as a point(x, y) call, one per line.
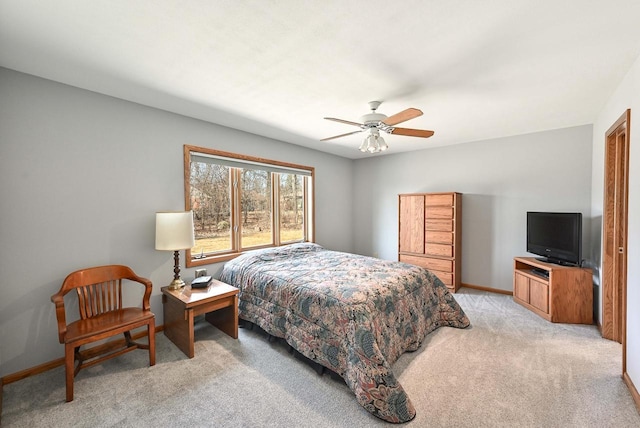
point(439, 213)
point(438, 250)
point(446, 200)
point(429, 263)
point(446, 278)
point(444, 225)
point(439, 237)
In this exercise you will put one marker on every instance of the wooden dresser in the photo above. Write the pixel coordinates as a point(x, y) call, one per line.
point(429, 233)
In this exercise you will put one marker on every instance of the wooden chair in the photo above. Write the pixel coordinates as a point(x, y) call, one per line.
point(99, 291)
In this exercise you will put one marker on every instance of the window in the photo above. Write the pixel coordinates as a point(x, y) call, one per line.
point(241, 203)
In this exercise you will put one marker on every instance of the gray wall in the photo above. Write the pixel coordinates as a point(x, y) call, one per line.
point(500, 179)
point(81, 177)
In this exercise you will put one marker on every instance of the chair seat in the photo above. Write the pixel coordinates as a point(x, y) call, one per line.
point(109, 324)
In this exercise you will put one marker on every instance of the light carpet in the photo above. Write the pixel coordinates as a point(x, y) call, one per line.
point(510, 368)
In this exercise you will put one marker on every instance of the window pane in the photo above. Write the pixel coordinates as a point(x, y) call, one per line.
point(211, 205)
point(255, 221)
point(241, 203)
point(291, 208)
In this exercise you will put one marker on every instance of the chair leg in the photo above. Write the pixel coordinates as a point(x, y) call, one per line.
point(77, 357)
point(127, 338)
point(151, 332)
point(69, 354)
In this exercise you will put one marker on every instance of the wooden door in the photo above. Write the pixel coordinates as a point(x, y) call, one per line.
point(521, 287)
point(539, 295)
point(411, 227)
point(614, 229)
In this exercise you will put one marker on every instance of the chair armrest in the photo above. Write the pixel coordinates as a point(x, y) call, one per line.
point(58, 300)
point(147, 291)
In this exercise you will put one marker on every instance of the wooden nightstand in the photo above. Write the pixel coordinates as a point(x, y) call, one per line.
point(219, 302)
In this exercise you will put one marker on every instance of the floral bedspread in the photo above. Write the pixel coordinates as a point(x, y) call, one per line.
point(353, 314)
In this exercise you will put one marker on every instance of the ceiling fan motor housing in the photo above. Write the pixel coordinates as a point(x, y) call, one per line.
point(372, 119)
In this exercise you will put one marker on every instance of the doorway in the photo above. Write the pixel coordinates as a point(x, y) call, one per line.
point(614, 232)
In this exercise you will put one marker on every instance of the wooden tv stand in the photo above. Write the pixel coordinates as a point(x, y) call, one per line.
point(557, 293)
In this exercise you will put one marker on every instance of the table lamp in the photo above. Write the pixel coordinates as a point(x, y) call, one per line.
point(174, 232)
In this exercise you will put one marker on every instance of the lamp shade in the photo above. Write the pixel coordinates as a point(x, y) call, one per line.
point(174, 230)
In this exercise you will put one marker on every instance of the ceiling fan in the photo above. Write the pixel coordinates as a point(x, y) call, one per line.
point(373, 123)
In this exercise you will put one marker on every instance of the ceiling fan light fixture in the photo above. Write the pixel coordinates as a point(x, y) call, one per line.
point(373, 143)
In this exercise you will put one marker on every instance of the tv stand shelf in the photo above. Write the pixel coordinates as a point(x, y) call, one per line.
point(557, 293)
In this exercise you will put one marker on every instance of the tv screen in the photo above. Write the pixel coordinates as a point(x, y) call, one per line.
point(557, 237)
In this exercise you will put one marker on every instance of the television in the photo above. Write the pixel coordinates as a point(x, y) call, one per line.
point(555, 236)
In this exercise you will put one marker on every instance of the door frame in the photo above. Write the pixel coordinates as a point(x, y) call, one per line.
point(614, 232)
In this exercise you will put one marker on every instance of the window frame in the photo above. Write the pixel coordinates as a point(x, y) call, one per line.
point(235, 192)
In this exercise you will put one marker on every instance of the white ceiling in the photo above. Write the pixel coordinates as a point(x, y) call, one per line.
point(477, 69)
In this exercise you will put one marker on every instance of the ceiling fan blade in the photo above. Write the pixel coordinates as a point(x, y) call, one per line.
point(423, 133)
point(344, 121)
point(341, 135)
point(404, 115)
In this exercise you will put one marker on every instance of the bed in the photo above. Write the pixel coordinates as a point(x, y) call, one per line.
point(353, 314)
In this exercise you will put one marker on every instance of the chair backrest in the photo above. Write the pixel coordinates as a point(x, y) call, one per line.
point(99, 290)
point(95, 299)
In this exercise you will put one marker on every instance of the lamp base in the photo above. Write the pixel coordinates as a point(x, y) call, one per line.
point(176, 284)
